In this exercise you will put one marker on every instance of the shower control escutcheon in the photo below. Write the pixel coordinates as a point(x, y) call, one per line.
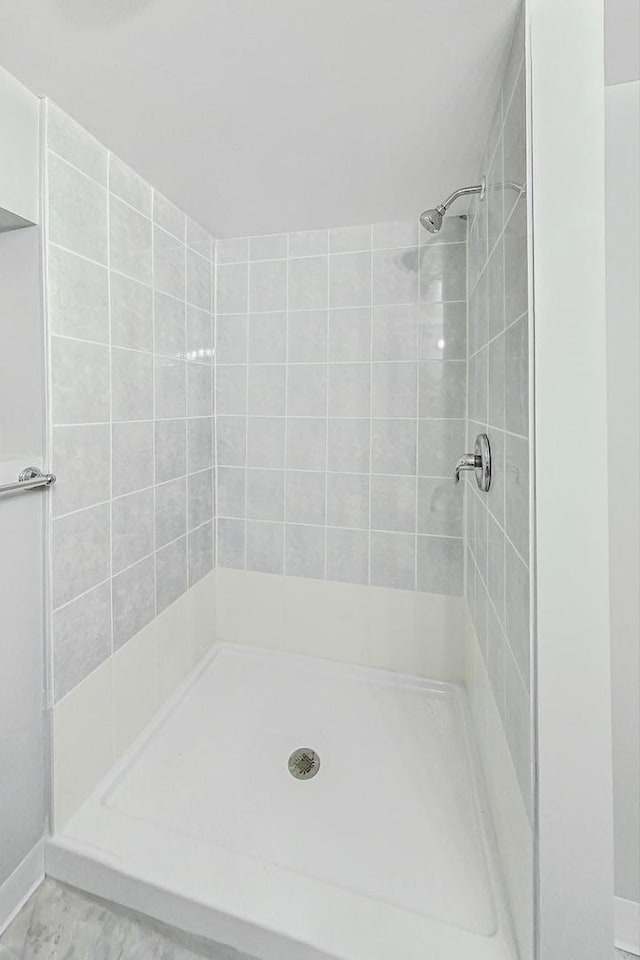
point(479, 460)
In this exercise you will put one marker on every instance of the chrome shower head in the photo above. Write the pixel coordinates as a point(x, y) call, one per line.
point(431, 220)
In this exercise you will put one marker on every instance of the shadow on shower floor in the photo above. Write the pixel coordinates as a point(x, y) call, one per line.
point(60, 923)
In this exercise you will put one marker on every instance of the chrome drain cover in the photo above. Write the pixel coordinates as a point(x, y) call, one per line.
point(304, 763)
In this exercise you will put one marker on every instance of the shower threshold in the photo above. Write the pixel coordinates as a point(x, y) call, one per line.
point(385, 853)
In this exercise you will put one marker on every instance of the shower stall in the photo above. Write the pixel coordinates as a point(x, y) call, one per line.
point(298, 637)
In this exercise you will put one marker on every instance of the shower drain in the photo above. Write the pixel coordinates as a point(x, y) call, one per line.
point(304, 763)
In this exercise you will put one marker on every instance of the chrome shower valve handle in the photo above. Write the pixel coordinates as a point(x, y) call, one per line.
point(479, 460)
point(468, 461)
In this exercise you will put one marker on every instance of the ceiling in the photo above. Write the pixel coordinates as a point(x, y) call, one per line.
point(261, 116)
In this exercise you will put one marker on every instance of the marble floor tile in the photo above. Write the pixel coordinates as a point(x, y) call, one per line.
point(60, 923)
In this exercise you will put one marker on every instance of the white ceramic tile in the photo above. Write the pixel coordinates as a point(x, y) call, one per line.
point(348, 500)
point(231, 338)
point(168, 263)
point(132, 528)
point(72, 142)
point(199, 335)
point(393, 560)
point(394, 446)
point(265, 494)
point(169, 325)
point(131, 385)
point(232, 251)
point(133, 604)
point(307, 336)
point(308, 283)
point(132, 456)
point(306, 444)
point(443, 272)
point(170, 449)
point(304, 550)
point(348, 555)
point(126, 184)
point(267, 390)
point(198, 280)
point(232, 288)
point(401, 233)
point(394, 390)
point(231, 440)
point(131, 306)
point(442, 388)
point(199, 444)
point(80, 451)
point(267, 286)
point(170, 511)
point(350, 334)
point(308, 243)
point(170, 384)
point(273, 247)
point(81, 638)
point(80, 381)
point(307, 390)
point(440, 566)
point(350, 280)
point(305, 497)
point(393, 504)
point(267, 337)
point(231, 487)
point(395, 276)
point(231, 390)
point(77, 211)
point(199, 498)
point(264, 547)
point(80, 548)
point(129, 241)
point(201, 552)
point(394, 332)
point(265, 442)
point(349, 389)
point(78, 302)
point(349, 445)
point(440, 444)
point(199, 239)
point(344, 239)
point(440, 507)
point(171, 573)
point(167, 216)
point(442, 331)
point(230, 543)
point(199, 390)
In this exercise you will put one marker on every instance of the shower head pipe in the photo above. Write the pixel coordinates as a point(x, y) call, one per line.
point(431, 220)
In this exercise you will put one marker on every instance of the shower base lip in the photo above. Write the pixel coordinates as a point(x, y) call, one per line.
point(124, 847)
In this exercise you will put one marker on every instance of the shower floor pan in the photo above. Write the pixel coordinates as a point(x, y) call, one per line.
point(383, 853)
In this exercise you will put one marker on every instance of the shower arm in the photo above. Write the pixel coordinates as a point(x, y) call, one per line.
point(463, 192)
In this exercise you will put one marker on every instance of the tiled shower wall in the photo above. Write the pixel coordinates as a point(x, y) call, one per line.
point(129, 305)
point(341, 403)
point(498, 560)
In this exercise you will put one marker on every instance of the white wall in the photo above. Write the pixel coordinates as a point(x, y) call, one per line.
point(623, 317)
point(575, 815)
point(22, 797)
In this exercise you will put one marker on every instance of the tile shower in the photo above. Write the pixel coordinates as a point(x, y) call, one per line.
point(341, 392)
point(130, 300)
point(283, 410)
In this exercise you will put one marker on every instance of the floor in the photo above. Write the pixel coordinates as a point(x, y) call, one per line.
point(209, 791)
point(59, 923)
